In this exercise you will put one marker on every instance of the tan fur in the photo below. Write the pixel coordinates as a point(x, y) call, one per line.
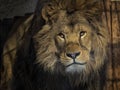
point(70, 19)
point(46, 39)
point(64, 21)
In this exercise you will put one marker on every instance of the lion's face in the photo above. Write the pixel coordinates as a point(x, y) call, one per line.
point(71, 44)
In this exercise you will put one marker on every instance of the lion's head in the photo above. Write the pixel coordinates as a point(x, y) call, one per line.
point(73, 40)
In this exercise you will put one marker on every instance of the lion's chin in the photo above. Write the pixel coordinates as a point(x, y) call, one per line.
point(75, 68)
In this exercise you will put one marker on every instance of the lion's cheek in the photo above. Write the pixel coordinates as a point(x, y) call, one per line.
point(46, 55)
point(84, 56)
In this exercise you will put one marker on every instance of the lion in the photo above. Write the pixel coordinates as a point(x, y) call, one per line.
point(64, 47)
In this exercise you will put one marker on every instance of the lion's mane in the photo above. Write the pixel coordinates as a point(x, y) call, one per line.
point(36, 68)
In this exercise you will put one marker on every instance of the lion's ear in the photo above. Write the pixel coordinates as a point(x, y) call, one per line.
point(49, 12)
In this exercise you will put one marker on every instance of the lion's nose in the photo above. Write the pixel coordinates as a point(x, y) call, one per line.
point(73, 55)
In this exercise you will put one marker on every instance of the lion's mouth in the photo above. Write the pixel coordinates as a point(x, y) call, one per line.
point(76, 63)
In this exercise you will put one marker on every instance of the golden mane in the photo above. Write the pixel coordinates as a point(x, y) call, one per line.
point(85, 6)
point(37, 57)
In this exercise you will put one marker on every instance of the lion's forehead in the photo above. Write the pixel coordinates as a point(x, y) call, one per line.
point(79, 26)
point(74, 21)
point(74, 17)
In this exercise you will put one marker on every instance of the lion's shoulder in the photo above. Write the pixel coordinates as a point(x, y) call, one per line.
point(14, 39)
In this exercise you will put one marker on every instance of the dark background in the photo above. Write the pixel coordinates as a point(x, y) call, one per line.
point(11, 8)
point(10, 12)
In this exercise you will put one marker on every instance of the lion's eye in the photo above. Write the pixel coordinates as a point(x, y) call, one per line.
point(82, 33)
point(61, 35)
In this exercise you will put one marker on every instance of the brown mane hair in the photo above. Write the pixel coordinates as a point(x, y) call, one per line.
point(36, 66)
point(91, 9)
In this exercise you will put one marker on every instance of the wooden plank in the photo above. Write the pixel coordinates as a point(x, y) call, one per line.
point(116, 41)
point(113, 22)
point(108, 86)
point(115, 48)
point(107, 6)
